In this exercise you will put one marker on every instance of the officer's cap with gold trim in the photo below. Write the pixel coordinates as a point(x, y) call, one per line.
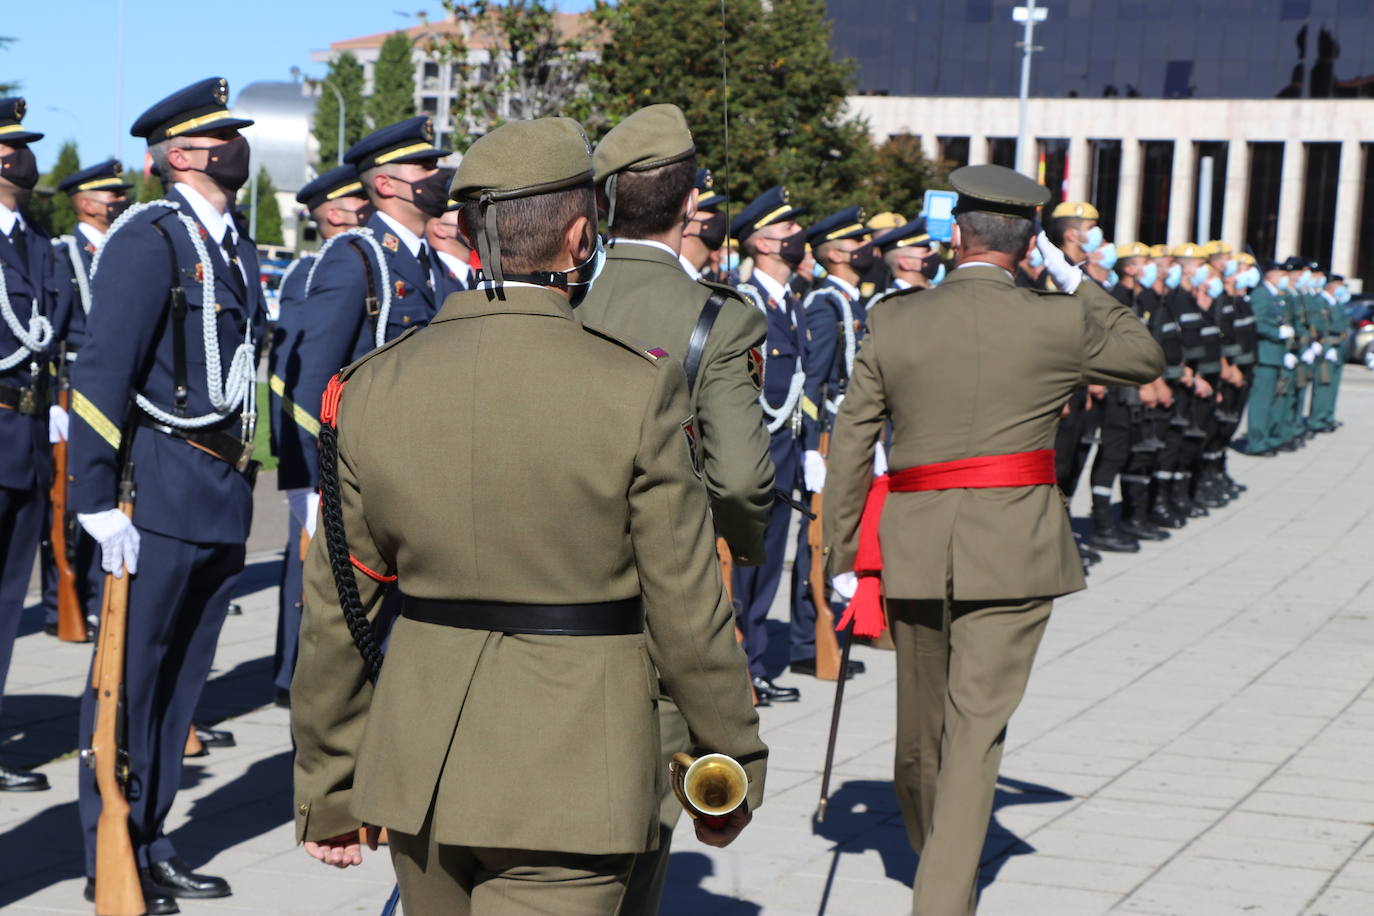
point(410, 140)
point(12, 129)
point(107, 176)
point(650, 138)
point(341, 181)
point(844, 224)
point(1075, 209)
point(772, 206)
point(198, 109)
point(907, 235)
point(708, 198)
point(996, 189)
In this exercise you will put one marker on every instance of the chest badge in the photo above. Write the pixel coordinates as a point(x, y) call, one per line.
point(400, 289)
point(756, 367)
point(200, 272)
point(390, 242)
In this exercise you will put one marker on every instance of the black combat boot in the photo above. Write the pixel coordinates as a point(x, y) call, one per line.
point(1106, 536)
point(1180, 500)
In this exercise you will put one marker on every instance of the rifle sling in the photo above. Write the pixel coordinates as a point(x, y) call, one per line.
point(180, 391)
point(370, 301)
point(696, 345)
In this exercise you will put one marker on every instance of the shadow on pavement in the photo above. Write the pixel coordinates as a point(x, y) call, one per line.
point(31, 857)
point(258, 576)
point(258, 801)
point(689, 898)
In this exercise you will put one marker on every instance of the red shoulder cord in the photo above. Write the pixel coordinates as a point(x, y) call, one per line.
point(329, 415)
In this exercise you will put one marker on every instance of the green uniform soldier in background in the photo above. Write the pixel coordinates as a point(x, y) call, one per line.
point(1274, 363)
point(555, 560)
point(646, 166)
point(975, 541)
point(1337, 330)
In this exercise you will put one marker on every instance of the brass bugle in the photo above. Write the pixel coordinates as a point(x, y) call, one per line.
point(709, 787)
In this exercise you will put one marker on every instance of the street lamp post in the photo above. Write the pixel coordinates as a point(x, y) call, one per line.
point(1028, 15)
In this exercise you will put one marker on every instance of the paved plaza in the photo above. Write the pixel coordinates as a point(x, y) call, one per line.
point(1198, 738)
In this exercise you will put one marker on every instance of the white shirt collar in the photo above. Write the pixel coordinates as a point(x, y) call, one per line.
point(8, 218)
point(92, 234)
point(1328, 297)
point(509, 284)
point(844, 285)
point(456, 264)
point(408, 238)
point(775, 290)
point(985, 264)
point(899, 283)
point(1273, 290)
point(215, 222)
point(658, 245)
point(689, 267)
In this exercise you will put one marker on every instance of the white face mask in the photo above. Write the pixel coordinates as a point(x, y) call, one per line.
point(598, 261)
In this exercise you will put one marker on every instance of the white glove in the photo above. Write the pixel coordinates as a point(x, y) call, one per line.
point(813, 472)
point(1065, 275)
point(845, 584)
point(879, 460)
point(1290, 361)
point(1308, 356)
point(305, 505)
point(117, 537)
point(59, 424)
point(1285, 331)
point(1333, 356)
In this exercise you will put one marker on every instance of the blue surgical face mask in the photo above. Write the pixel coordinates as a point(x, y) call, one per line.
point(817, 271)
point(1342, 294)
point(1174, 276)
point(1199, 276)
point(1304, 279)
point(1232, 265)
point(1248, 278)
point(1149, 274)
point(1254, 277)
point(1036, 258)
point(1111, 281)
point(731, 261)
point(1214, 287)
point(1092, 240)
point(1283, 282)
point(940, 274)
point(1108, 260)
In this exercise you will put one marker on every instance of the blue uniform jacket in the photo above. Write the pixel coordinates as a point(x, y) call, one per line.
point(25, 461)
point(785, 347)
point(824, 322)
point(72, 316)
point(291, 295)
point(183, 492)
point(329, 330)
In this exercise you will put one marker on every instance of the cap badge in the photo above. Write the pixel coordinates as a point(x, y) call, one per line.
point(428, 130)
point(221, 92)
point(20, 106)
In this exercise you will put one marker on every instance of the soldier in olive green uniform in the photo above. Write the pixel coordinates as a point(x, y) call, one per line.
point(975, 540)
point(554, 552)
point(646, 166)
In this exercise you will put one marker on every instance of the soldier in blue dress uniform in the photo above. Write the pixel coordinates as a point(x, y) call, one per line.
point(336, 203)
point(165, 383)
point(704, 235)
point(27, 307)
point(98, 196)
point(768, 232)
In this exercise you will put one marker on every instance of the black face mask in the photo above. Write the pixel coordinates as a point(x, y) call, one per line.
point(792, 249)
point(861, 259)
point(429, 194)
point(712, 234)
point(364, 213)
point(20, 168)
point(930, 266)
point(115, 208)
point(227, 164)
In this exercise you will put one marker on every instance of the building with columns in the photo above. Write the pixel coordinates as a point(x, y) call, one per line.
point(1250, 121)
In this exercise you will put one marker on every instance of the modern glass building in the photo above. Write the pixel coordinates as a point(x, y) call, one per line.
point(1141, 106)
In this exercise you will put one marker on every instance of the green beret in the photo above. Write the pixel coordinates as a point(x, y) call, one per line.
point(651, 137)
point(996, 189)
point(524, 158)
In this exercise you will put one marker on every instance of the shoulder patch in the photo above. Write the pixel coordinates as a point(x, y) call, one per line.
point(657, 353)
point(756, 367)
point(348, 371)
point(649, 355)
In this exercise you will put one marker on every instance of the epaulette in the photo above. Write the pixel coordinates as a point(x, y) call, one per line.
point(651, 354)
point(725, 288)
point(347, 372)
point(1050, 292)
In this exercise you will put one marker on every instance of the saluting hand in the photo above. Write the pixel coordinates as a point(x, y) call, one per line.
point(739, 819)
point(344, 850)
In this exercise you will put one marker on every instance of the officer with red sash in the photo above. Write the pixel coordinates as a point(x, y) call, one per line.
point(975, 543)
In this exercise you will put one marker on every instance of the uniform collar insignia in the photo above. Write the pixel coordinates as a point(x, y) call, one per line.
point(390, 242)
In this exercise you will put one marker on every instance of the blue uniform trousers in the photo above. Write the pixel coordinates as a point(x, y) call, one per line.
point(288, 608)
point(756, 586)
point(177, 604)
point(21, 514)
point(803, 629)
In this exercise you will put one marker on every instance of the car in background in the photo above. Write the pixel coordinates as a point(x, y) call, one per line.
point(1360, 345)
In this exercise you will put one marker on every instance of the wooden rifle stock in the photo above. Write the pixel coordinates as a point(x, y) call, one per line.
point(71, 620)
point(828, 662)
point(117, 888)
point(727, 567)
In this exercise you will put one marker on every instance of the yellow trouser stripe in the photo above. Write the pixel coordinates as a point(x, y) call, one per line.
point(809, 408)
point(298, 413)
point(96, 420)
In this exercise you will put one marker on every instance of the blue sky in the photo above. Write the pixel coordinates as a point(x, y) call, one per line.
point(65, 56)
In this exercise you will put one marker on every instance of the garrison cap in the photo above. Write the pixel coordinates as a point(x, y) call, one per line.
point(996, 189)
point(341, 181)
point(518, 159)
point(198, 109)
point(708, 198)
point(1269, 264)
point(11, 122)
point(844, 224)
point(406, 141)
point(107, 176)
point(886, 220)
point(912, 233)
point(772, 206)
point(648, 139)
point(1075, 209)
point(1187, 250)
point(1133, 250)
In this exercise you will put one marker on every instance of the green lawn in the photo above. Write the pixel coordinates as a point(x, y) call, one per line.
point(262, 448)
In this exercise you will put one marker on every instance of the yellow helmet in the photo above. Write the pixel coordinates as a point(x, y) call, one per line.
point(1076, 208)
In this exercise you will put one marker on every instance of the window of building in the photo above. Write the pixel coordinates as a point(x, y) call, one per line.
point(1156, 180)
point(1216, 151)
point(1262, 200)
point(429, 76)
point(1364, 252)
point(1104, 181)
point(1319, 201)
point(429, 105)
point(1002, 151)
point(954, 151)
point(1178, 79)
point(1053, 167)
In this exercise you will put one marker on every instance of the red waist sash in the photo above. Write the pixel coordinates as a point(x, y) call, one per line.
point(1020, 469)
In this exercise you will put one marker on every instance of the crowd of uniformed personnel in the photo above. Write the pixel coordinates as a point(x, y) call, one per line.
point(525, 467)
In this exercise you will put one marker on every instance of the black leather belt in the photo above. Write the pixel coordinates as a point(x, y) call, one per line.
point(604, 618)
point(24, 400)
point(225, 446)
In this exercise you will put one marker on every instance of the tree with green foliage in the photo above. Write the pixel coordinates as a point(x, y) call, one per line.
point(268, 231)
point(145, 187)
point(902, 174)
point(786, 92)
point(346, 75)
point(62, 218)
point(393, 82)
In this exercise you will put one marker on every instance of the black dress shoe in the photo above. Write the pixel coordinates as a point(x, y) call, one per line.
point(235, 609)
point(1144, 531)
point(1287, 447)
point(807, 666)
point(282, 698)
point(176, 878)
point(213, 738)
point(156, 902)
point(1113, 541)
point(21, 780)
point(766, 688)
point(1090, 556)
point(50, 629)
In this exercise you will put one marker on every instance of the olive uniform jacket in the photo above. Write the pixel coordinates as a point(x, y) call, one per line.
point(644, 295)
point(506, 454)
point(977, 366)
